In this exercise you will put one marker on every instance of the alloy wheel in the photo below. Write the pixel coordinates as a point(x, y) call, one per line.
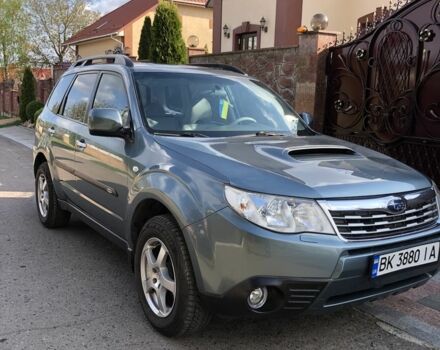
point(43, 195)
point(158, 277)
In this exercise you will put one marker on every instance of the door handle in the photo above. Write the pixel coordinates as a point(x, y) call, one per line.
point(81, 144)
point(51, 131)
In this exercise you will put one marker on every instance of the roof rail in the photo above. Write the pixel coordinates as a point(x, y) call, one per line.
point(104, 59)
point(220, 66)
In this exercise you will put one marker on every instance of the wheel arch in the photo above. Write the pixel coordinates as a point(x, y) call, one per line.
point(40, 158)
point(152, 204)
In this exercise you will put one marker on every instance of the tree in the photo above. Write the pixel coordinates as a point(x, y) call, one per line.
point(168, 45)
point(52, 23)
point(27, 92)
point(13, 27)
point(144, 51)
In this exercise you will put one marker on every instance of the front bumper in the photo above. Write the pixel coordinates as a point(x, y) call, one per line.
point(303, 273)
point(296, 297)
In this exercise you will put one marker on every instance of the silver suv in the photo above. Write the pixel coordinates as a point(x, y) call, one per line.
point(224, 198)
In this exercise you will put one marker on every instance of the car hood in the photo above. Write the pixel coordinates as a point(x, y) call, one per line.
point(310, 167)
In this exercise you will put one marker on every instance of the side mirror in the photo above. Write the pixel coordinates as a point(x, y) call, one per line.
point(307, 118)
point(106, 122)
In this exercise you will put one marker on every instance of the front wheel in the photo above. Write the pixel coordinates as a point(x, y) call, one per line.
point(49, 211)
point(165, 279)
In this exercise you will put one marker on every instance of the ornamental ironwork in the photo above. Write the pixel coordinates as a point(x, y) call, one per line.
point(384, 83)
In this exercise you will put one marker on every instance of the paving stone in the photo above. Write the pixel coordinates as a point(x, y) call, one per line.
point(432, 301)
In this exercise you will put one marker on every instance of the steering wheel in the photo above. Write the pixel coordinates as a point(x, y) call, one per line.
point(244, 119)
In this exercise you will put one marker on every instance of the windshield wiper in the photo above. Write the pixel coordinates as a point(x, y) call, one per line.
point(181, 134)
point(267, 133)
point(192, 134)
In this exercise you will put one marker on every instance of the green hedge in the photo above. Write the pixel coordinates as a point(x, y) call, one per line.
point(32, 108)
point(37, 113)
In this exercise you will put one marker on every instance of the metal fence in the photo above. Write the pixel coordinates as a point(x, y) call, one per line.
point(384, 86)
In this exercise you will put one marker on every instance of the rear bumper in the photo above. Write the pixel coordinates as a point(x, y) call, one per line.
point(307, 273)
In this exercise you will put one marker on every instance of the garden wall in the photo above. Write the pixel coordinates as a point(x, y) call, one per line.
point(296, 73)
point(10, 95)
point(8, 99)
point(274, 67)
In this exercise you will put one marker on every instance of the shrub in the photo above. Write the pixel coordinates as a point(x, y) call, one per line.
point(37, 114)
point(168, 45)
point(32, 108)
point(27, 92)
point(144, 51)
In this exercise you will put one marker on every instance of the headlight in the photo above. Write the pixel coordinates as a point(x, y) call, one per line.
point(280, 214)
point(437, 191)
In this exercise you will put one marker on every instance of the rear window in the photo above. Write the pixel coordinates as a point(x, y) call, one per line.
point(56, 99)
point(79, 97)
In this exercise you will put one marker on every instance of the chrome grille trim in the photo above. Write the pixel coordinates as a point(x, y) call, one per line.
point(381, 223)
point(367, 219)
point(381, 216)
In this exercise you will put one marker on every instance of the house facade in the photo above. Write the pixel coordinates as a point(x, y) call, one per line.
point(120, 30)
point(257, 24)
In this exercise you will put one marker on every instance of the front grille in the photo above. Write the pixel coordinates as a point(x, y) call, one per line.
point(371, 223)
point(301, 296)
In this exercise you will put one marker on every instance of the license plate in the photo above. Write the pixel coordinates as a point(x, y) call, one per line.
point(405, 259)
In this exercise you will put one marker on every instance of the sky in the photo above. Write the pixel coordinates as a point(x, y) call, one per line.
point(105, 6)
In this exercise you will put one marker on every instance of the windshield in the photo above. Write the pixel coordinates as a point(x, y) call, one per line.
point(206, 105)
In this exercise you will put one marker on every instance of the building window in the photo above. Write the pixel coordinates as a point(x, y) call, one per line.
point(247, 41)
point(247, 37)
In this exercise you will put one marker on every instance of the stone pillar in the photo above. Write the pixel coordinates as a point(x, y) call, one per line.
point(312, 83)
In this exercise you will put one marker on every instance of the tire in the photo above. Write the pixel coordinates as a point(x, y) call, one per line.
point(185, 313)
point(50, 213)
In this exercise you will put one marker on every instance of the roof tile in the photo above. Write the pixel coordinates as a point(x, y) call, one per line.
point(114, 21)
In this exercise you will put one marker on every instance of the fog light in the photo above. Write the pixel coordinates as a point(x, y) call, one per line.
point(257, 298)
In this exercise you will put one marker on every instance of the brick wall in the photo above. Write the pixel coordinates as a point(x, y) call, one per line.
point(8, 99)
point(58, 70)
point(10, 92)
point(43, 90)
point(296, 73)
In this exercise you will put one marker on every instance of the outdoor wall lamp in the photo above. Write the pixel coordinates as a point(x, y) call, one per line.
point(263, 24)
point(226, 31)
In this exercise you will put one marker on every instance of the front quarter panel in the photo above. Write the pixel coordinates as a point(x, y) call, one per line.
point(189, 192)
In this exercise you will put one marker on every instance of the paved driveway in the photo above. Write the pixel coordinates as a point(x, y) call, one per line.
point(72, 289)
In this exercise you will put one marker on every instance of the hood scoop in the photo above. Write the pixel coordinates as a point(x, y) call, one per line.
point(314, 153)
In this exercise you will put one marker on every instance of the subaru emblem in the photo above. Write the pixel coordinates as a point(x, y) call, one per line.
point(397, 205)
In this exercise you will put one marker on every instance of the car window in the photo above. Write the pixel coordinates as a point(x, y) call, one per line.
point(79, 96)
point(111, 93)
point(213, 105)
point(56, 99)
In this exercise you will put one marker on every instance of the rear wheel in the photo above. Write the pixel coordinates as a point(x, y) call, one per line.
point(49, 211)
point(165, 279)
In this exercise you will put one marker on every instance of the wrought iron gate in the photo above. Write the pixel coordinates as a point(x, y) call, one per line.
point(384, 86)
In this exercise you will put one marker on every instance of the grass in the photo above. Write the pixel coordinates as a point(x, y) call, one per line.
point(3, 117)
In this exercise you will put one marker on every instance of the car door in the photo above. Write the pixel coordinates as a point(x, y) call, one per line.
point(71, 114)
point(62, 142)
point(101, 165)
